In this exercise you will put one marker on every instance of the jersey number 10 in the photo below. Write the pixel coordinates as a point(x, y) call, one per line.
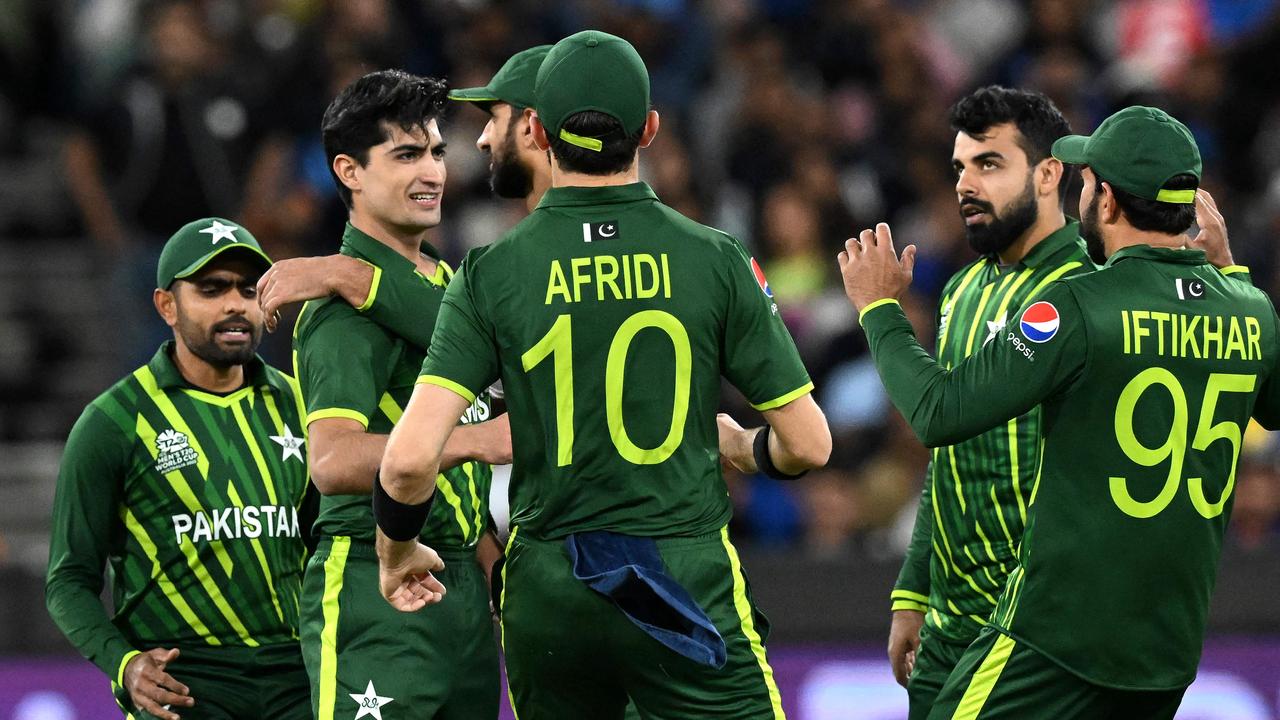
point(1174, 448)
point(558, 345)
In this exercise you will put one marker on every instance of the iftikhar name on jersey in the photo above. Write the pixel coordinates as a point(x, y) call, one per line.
point(1208, 337)
point(234, 523)
point(609, 277)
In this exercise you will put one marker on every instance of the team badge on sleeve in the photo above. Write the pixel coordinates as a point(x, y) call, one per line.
point(1040, 322)
point(760, 279)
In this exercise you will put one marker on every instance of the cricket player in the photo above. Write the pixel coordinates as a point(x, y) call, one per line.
point(185, 478)
point(387, 158)
point(974, 504)
point(611, 326)
point(1147, 372)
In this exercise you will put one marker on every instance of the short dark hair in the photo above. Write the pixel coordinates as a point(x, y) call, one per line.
point(1153, 215)
point(618, 149)
point(356, 120)
point(1038, 120)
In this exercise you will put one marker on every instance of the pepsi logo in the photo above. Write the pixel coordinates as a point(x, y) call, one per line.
point(760, 279)
point(1040, 322)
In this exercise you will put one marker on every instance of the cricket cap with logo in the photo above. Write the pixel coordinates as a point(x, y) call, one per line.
point(199, 242)
point(1138, 150)
point(512, 84)
point(592, 70)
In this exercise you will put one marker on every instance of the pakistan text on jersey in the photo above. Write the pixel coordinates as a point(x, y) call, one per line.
point(609, 277)
point(1209, 337)
point(234, 523)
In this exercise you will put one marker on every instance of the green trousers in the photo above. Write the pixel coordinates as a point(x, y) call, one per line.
point(572, 655)
point(1000, 678)
point(364, 655)
point(935, 659)
point(237, 683)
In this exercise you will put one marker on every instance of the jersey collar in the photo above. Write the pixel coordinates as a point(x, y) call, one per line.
point(1176, 256)
point(358, 244)
point(607, 195)
point(168, 377)
point(1061, 242)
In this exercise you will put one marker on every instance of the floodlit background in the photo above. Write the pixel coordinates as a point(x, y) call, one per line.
point(789, 123)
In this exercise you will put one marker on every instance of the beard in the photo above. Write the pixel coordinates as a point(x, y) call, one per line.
point(510, 178)
point(1002, 230)
point(1091, 231)
point(202, 343)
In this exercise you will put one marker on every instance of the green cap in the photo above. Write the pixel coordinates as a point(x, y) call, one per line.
point(1137, 150)
point(592, 70)
point(198, 242)
point(512, 84)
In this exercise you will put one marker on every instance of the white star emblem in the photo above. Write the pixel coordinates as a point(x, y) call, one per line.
point(370, 702)
point(219, 232)
point(290, 446)
point(994, 328)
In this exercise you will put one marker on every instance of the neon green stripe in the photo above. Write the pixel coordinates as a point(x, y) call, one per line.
point(373, 286)
point(938, 551)
point(166, 407)
point(1178, 197)
point(1050, 278)
point(1015, 472)
point(502, 624)
point(743, 606)
point(951, 557)
point(908, 595)
point(977, 319)
point(784, 399)
point(1003, 525)
point(262, 556)
point(964, 283)
point(955, 475)
point(1233, 269)
point(1035, 486)
point(583, 142)
point(447, 384)
point(166, 585)
point(986, 543)
point(984, 680)
point(338, 413)
point(878, 303)
point(334, 567)
point(974, 584)
point(256, 451)
point(223, 401)
point(1003, 308)
point(390, 408)
point(455, 502)
point(908, 605)
point(123, 662)
point(469, 470)
point(937, 617)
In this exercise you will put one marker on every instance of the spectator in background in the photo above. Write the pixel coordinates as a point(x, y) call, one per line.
point(175, 140)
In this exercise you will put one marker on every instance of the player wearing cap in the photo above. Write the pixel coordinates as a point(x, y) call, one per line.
point(387, 158)
point(185, 478)
point(974, 503)
point(610, 319)
point(1147, 372)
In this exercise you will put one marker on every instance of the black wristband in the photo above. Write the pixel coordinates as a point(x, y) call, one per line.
point(398, 521)
point(765, 463)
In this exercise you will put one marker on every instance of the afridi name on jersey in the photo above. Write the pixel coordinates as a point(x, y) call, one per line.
point(610, 319)
point(1138, 460)
point(351, 367)
point(974, 504)
point(192, 499)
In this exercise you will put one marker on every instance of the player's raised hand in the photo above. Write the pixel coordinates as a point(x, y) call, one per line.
point(307, 278)
point(1212, 238)
point(904, 642)
point(406, 580)
point(152, 689)
point(871, 269)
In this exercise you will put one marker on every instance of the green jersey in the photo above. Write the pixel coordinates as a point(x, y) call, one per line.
point(1147, 372)
point(974, 503)
point(351, 367)
point(610, 319)
point(191, 499)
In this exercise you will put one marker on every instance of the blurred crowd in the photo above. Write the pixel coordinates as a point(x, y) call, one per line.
point(789, 123)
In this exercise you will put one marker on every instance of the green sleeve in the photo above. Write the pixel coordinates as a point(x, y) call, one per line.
point(759, 358)
point(1238, 272)
point(911, 591)
point(464, 354)
point(344, 363)
point(405, 304)
point(1006, 378)
point(86, 526)
point(1266, 409)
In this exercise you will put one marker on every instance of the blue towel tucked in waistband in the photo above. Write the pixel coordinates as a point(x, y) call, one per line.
point(629, 571)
